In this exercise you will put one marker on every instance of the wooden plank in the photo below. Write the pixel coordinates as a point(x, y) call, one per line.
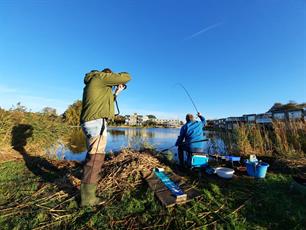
point(170, 184)
point(164, 194)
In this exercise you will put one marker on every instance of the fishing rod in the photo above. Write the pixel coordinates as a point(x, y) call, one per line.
point(189, 96)
point(184, 143)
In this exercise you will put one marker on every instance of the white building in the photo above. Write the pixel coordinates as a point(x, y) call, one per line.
point(141, 119)
point(135, 119)
point(167, 122)
point(131, 119)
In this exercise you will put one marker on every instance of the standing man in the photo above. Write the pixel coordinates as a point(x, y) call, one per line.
point(191, 137)
point(97, 108)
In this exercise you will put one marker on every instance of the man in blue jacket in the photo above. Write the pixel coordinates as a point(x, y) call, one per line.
point(191, 137)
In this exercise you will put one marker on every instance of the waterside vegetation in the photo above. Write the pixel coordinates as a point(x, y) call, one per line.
point(37, 192)
point(50, 200)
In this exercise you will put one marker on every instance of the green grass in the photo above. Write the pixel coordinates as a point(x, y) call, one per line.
point(240, 203)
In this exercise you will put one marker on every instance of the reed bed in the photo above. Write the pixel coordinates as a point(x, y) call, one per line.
point(37, 131)
point(279, 139)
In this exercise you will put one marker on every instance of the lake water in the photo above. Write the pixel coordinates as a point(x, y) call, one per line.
point(118, 138)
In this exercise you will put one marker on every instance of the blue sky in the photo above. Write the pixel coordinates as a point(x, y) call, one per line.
point(235, 57)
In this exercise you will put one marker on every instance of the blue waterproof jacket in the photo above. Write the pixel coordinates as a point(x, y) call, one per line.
point(190, 132)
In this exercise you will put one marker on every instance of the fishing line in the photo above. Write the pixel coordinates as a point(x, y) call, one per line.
point(184, 143)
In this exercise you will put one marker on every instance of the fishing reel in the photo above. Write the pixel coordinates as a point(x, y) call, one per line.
point(118, 89)
point(117, 86)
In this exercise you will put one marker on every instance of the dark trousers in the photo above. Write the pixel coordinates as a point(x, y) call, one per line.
point(189, 153)
point(181, 150)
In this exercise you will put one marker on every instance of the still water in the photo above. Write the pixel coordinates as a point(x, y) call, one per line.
point(118, 138)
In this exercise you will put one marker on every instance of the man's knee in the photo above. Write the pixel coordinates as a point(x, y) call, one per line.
point(97, 145)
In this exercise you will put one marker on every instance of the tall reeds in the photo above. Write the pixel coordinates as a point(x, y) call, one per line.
point(33, 131)
point(280, 139)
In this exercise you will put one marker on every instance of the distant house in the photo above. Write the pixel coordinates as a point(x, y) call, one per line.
point(233, 122)
point(250, 118)
point(141, 119)
point(219, 123)
point(296, 114)
point(264, 118)
point(131, 119)
point(222, 123)
point(235, 119)
point(279, 116)
point(167, 122)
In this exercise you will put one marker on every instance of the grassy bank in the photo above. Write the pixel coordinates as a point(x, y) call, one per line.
point(39, 193)
point(37, 131)
point(30, 199)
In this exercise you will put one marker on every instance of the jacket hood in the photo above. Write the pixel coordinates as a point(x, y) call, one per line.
point(90, 76)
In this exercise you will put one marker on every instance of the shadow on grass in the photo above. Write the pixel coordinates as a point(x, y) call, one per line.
point(39, 165)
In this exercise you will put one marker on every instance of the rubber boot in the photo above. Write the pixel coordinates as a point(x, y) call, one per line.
point(88, 195)
point(92, 168)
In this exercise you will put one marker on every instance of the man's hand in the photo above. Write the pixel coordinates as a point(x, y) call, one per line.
point(119, 89)
point(199, 114)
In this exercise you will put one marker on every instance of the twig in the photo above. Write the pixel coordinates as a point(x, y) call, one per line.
point(236, 210)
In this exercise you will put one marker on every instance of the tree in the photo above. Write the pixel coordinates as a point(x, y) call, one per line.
point(284, 107)
point(19, 108)
point(119, 120)
point(151, 116)
point(149, 123)
point(276, 107)
point(49, 111)
point(73, 113)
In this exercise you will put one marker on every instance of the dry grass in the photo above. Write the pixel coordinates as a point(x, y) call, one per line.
point(279, 139)
point(126, 171)
point(35, 130)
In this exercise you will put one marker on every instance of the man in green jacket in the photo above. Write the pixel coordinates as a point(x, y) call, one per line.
point(97, 108)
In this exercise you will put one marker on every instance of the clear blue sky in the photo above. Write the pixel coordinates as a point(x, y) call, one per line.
point(235, 57)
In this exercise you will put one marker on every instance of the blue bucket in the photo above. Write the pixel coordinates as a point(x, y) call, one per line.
point(256, 169)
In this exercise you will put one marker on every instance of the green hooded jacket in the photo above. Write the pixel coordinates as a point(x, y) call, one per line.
point(98, 98)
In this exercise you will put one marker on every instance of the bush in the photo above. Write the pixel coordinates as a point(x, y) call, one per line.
point(36, 131)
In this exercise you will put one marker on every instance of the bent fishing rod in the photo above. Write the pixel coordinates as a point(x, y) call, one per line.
point(184, 143)
point(186, 91)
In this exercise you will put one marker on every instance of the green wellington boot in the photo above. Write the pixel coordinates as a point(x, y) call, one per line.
point(88, 195)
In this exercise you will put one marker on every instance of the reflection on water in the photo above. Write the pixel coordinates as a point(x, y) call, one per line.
point(143, 132)
point(77, 141)
point(116, 132)
point(118, 138)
